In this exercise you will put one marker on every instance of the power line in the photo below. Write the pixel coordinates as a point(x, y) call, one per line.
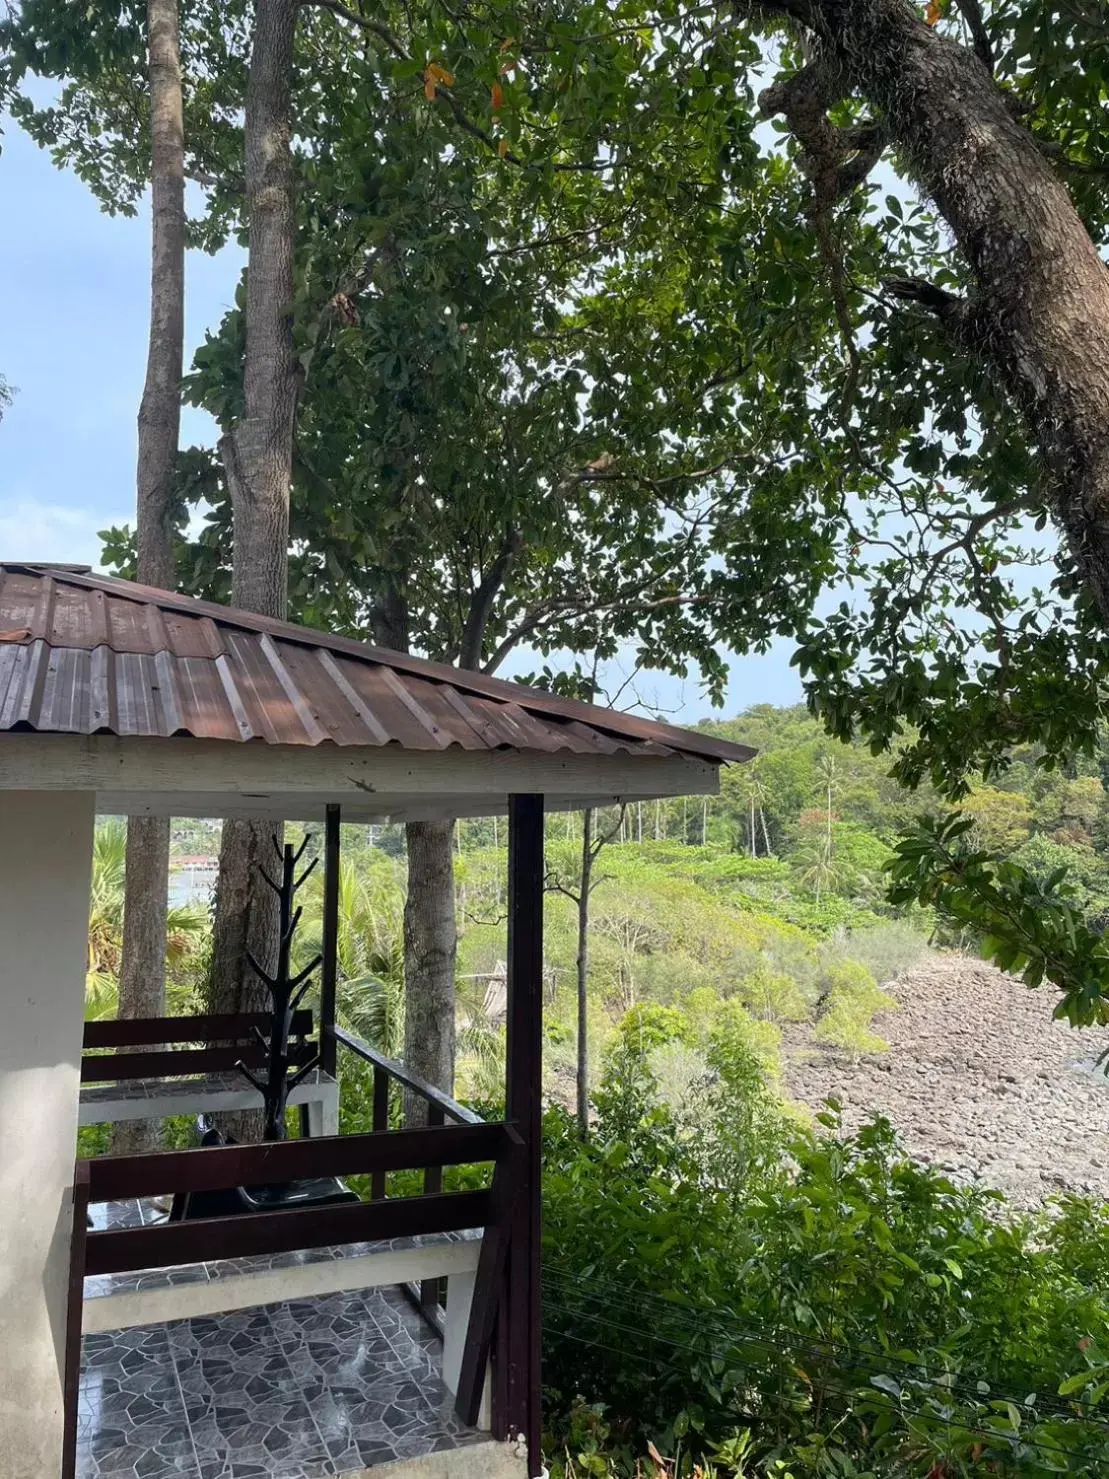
point(702, 1321)
point(924, 1415)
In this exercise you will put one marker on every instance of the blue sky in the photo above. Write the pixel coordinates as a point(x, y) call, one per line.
point(75, 286)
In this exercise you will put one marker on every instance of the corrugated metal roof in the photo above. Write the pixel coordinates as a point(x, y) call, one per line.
point(85, 654)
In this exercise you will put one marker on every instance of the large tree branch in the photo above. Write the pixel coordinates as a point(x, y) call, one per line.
point(481, 602)
point(837, 162)
point(546, 614)
point(971, 12)
point(381, 31)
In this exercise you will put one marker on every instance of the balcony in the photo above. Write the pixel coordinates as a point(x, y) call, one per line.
point(289, 1344)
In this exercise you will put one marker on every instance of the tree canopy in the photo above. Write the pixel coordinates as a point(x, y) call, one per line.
point(688, 327)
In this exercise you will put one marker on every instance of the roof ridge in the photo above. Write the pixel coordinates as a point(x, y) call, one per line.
point(466, 680)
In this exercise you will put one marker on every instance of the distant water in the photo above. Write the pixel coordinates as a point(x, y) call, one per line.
point(190, 886)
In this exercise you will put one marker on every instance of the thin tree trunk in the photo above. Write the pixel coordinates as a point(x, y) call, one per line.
point(142, 975)
point(430, 930)
point(430, 944)
point(583, 972)
point(258, 459)
point(1039, 314)
point(160, 410)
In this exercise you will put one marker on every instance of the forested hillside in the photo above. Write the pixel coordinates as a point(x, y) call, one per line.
point(768, 901)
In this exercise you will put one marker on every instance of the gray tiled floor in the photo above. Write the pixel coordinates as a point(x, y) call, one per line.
point(299, 1390)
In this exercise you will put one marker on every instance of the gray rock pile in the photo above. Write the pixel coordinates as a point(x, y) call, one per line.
point(978, 1079)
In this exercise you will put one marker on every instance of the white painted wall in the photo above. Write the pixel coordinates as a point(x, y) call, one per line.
point(45, 862)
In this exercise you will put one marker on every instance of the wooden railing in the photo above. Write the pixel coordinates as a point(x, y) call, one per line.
point(387, 1070)
point(440, 1108)
point(119, 1250)
point(227, 1041)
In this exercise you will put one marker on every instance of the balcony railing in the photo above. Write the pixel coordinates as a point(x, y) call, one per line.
point(440, 1109)
point(430, 1149)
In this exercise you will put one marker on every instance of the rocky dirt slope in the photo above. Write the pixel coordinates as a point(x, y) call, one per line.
point(978, 1079)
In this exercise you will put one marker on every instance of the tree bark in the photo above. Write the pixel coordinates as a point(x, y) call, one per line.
point(258, 453)
point(582, 965)
point(142, 976)
point(258, 459)
point(430, 945)
point(160, 409)
point(1039, 316)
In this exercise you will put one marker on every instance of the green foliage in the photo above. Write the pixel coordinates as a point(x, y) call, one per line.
point(774, 995)
point(649, 1026)
point(851, 1311)
point(581, 367)
point(1026, 926)
point(851, 998)
point(186, 931)
point(370, 994)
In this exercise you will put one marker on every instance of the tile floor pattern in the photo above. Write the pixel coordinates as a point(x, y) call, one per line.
point(301, 1390)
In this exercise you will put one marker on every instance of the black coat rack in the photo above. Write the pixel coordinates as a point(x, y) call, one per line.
point(286, 993)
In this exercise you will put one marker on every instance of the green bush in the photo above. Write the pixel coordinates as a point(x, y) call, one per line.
point(888, 948)
point(774, 996)
point(714, 1271)
point(852, 997)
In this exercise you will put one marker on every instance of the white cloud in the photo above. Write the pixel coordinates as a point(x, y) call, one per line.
point(31, 529)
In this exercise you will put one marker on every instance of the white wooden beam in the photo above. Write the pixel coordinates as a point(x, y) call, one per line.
point(384, 1267)
point(187, 777)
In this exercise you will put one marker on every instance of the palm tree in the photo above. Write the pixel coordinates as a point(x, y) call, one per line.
point(185, 922)
point(483, 1004)
point(109, 860)
point(370, 995)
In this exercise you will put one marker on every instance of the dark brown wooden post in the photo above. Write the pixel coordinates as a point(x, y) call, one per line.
point(524, 1053)
point(380, 1126)
point(430, 1291)
point(329, 970)
point(72, 1375)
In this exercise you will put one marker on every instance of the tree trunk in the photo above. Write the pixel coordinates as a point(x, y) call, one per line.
point(160, 410)
point(258, 459)
point(430, 931)
point(142, 976)
point(430, 943)
point(1040, 313)
point(583, 972)
point(258, 453)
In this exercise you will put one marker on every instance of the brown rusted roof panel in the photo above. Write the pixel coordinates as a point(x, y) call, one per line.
point(85, 654)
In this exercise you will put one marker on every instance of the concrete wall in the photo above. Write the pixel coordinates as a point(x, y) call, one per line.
point(45, 861)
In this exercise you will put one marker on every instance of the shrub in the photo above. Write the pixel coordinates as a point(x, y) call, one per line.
point(649, 1026)
point(888, 948)
point(857, 1313)
point(774, 995)
point(707, 1015)
point(851, 1000)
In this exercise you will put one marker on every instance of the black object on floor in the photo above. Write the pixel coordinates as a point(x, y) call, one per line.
point(285, 1196)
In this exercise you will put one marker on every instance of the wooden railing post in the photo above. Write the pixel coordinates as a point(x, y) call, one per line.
point(380, 1125)
point(329, 971)
point(489, 1286)
point(433, 1184)
point(524, 1068)
point(72, 1376)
